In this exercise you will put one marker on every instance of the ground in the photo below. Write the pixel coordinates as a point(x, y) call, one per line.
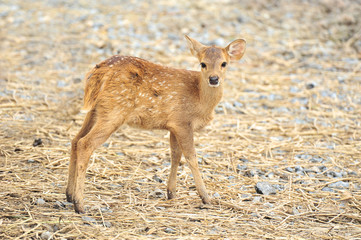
point(289, 123)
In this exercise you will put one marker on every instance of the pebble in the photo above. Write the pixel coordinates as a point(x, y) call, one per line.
point(231, 177)
point(157, 179)
point(107, 224)
point(246, 196)
point(327, 189)
point(310, 86)
point(59, 205)
point(88, 220)
point(37, 142)
point(157, 194)
point(265, 188)
point(106, 209)
point(216, 195)
point(322, 168)
point(169, 230)
point(295, 211)
point(244, 160)
point(269, 205)
point(40, 201)
point(339, 185)
point(334, 174)
point(241, 167)
point(238, 104)
point(46, 235)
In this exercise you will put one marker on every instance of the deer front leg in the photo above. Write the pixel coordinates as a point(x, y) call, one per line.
point(184, 137)
point(176, 154)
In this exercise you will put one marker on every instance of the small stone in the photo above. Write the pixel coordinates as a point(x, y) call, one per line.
point(77, 80)
point(270, 175)
point(107, 224)
point(169, 230)
point(339, 185)
point(46, 235)
point(298, 168)
point(246, 196)
point(334, 174)
point(88, 220)
point(313, 169)
point(327, 189)
point(157, 179)
point(216, 195)
point(243, 160)
point(322, 168)
point(295, 211)
point(157, 194)
point(31, 161)
point(40, 201)
point(231, 177)
point(55, 228)
point(37, 142)
point(289, 169)
point(238, 104)
point(310, 86)
point(59, 205)
point(265, 188)
point(269, 205)
point(61, 84)
point(257, 199)
point(106, 209)
point(241, 167)
point(279, 187)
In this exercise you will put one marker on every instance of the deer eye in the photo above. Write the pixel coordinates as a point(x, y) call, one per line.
point(224, 64)
point(203, 65)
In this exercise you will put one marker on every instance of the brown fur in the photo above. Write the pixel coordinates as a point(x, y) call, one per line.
point(142, 94)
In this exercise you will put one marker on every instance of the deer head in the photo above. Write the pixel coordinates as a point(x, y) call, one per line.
point(214, 60)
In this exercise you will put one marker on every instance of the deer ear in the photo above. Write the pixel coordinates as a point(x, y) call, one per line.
point(194, 45)
point(236, 49)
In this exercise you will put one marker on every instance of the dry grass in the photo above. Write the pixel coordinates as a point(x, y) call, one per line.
point(296, 103)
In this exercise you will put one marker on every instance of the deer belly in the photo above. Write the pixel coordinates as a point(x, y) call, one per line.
point(146, 118)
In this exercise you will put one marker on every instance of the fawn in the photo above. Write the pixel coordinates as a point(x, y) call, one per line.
point(143, 94)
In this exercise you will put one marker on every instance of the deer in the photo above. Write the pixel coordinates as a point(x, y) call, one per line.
point(133, 91)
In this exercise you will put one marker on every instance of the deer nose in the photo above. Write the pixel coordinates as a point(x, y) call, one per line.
point(213, 80)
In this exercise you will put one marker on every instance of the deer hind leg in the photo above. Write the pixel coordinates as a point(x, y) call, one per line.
point(87, 126)
point(184, 137)
point(176, 154)
point(104, 126)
